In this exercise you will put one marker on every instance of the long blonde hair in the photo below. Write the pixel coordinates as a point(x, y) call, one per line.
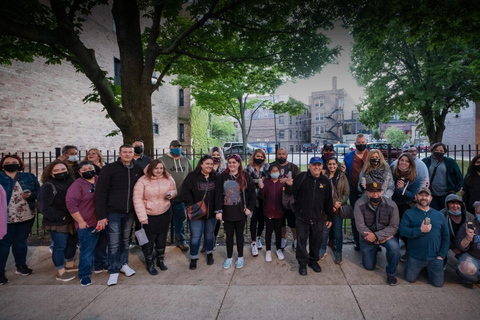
point(367, 167)
point(250, 161)
point(99, 154)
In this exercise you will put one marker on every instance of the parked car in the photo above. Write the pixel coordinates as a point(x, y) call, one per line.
point(309, 147)
point(423, 147)
point(383, 147)
point(260, 147)
point(237, 147)
point(341, 149)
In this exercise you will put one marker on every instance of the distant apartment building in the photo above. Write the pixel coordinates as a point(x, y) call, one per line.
point(267, 128)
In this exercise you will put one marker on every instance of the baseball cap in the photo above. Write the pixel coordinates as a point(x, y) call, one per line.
point(175, 143)
point(423, 189)
point(316, 160)
point(328, 146)
point(374, 186)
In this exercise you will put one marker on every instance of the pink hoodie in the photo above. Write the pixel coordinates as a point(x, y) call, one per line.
point(3, 212)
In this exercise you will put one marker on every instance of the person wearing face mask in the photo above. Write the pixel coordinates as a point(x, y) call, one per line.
point(377, 222)
point(471, 184)
point(138, 157)
point(70, 157)
point(179, 167)
point(80, 202)
point(428, 239)
point(354, 161)
point(21, 191)
point(327, 152)
point(285, 168)
point(445, 175)
point(376, 170)
point(56, 180)
point(219, 164)
point(257, 168)
point(468, 242)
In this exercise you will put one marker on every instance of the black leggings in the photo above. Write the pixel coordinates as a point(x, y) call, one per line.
point(257, 217)
point(157, 229)
point(273, 225)
point(236, 227)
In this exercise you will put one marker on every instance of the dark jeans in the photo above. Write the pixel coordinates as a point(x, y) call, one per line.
point(101, 257)
point(438, 202)
point(273, 225)
point(354, 196)
point(313, 233)
point(337, 233)
point(16, 237)
point(370, 251)
point(178, 221)
point(257, 218)
point(434, 269)
point(401, 211)
point(118, 232)
point(88, 242)
point(156, 231)
point(234, 228)
point(64, 248)
point(199, 228)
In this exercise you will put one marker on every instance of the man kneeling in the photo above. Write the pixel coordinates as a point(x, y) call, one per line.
point(376, 218)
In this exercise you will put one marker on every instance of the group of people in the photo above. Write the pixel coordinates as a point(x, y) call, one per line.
point(95, 206)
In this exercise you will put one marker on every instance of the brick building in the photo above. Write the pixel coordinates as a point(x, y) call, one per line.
point(41, 105)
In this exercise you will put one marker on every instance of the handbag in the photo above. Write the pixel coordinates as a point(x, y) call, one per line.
point(345, 211)
point(198, 210)
point(141, 236)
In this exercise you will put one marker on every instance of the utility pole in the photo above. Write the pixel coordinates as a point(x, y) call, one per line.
point(275, 124)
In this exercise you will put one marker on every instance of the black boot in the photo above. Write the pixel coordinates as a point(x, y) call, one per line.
point(210, 259)
point(193, 264)
point(160, 259)
point(150, 265)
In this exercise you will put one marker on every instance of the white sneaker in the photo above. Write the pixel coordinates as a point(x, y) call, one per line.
point(127, 270)
point(112, 280)
point(254, 249)
point(259, 243)
point(283, 243)
point(268, 256)
point(280, 254)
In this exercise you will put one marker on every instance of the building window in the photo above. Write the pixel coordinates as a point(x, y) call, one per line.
point(155, 127)
point(322, 130)
point(116, 71)
point(180, 97)
point(291, 148)
point(182, 132)
point(317, 130)
point(319, 103)
point(281, 120)
point(317, 116)
point(321, 116)
point(291, 134)
point(281, 134)
point(291, 120)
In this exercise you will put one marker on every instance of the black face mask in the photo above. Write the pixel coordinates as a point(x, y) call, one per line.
point(375, 162)
point(216, 160)
point(138, 150)
point(375, 200)
point(258, 161)
point(11, 167)
point(88, 174)
point(361, 147)
point(438, 155)
point(281, 160)
point(477, 168)
point(61, 176)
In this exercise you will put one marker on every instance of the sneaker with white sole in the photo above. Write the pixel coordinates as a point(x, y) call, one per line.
point(86, 282)
point(227, 264)
point(283, 244)
point(100, 271)
point(268, 256)
point(280, 254)
point(240, 262)
point(24, 271)
point(113, 279)
point(259, 243)
point(254, 249)
point(65, 277)
point(127, 270)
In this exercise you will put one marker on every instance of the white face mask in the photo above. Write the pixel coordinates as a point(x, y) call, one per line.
point(73, 158)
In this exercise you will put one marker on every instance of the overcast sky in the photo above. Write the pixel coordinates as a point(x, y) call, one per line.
point(302, 89)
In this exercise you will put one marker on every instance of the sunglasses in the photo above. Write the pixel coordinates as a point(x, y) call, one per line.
point(93, 188)
point(236, 157)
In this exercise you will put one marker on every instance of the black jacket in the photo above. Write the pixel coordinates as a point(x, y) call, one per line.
point(232, 200)
point(313, 198)
point(114, 189)
point(51, 202)
point(193, 190)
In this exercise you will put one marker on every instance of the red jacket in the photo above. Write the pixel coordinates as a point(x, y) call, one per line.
point(272, 199)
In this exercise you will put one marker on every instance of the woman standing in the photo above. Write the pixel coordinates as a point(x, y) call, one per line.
point(340, 194)
point(271, 191)
point(234, 201)
point(199, 185)
point(257, 168)
point(219, 164)
point(95, 157)
point(151, 198)
point(471, 184)
point(80, 201)
point(376, 169)
point(21, 189)
point(57, 220)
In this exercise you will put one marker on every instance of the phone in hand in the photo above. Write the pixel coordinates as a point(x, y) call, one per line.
point(27, 191)
point(470, 225)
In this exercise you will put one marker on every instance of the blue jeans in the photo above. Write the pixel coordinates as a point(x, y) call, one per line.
point(199, 228)
point(178, 220)
point(64, 248)
point(370, 250)
point(472, 263)
point(337, 232)
point(101, 257)
point(88, 242)
point(118, 232)
point(434, 269)
point(16, 237)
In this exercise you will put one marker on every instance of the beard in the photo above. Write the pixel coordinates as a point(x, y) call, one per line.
point(424, 203)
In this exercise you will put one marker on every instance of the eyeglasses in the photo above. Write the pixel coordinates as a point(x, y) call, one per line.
point(93, 188)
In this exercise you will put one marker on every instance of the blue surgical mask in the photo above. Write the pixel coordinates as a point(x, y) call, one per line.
point(275, 175)
point(176, 151)
point(455, 214)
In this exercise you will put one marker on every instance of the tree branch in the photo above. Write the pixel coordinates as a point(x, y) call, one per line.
point(251, 117)
point(73, 9)
point(152, 50)
point(233, 59)
point(32, 33)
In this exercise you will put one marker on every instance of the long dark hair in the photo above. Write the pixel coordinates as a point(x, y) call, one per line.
point(241, 180)
point(471, 172)
point(47, 171)
point(198, 168)
point(411, 173)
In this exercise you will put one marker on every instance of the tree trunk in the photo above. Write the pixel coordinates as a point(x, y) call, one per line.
point(242, 126)
point(434, 124)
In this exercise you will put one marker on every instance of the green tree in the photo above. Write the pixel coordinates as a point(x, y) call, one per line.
point(376, 134)
point(169, 36)
point(396, 137)
point(199, 119)
point(222, 129)
point(405, 74)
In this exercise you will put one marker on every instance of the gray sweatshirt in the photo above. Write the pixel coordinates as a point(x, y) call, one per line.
point(179, 169)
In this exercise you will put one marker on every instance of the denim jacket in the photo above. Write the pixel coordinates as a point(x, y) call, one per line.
point(26, 180)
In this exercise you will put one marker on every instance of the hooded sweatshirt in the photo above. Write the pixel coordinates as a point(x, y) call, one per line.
point(178, 169)
point(452, 226)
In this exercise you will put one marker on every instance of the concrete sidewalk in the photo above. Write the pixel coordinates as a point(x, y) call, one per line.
point(258, 291)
